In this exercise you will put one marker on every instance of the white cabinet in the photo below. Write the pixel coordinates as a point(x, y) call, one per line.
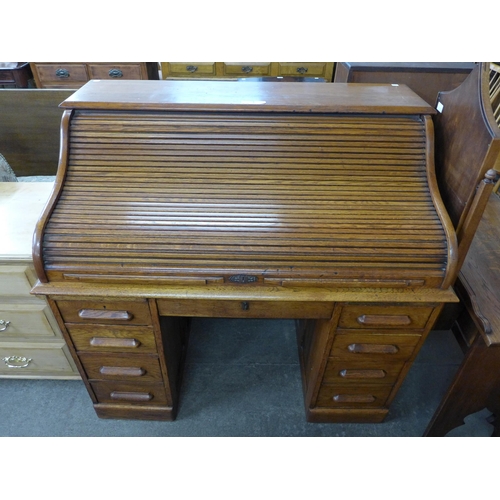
point(31, 344)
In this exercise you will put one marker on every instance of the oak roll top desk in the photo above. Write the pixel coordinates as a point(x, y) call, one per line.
point(317, 203)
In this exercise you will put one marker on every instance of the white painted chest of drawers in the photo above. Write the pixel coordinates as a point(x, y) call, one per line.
point(31, 344)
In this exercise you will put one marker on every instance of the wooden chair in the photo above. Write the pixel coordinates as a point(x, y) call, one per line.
point(495, 98)
point(468, 159)
point(467, 153)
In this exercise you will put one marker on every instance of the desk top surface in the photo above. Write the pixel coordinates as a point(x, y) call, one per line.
point(248, 96)
point(20, 206)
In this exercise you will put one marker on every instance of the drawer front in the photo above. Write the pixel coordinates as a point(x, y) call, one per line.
point(386, 317)
point(14, 281)
point(40, 360)
point(115, 71)
point(63, 73)
point(245, 309)
point(126, 339)
point(302, 69)
point(129, 393)
point(247, 69)
point(359, 396)
point(108, 312)
point(26, 320)
point(190, 69)
point(361, 371)
point(374, 346)
point(7, 76)
point(137, 368)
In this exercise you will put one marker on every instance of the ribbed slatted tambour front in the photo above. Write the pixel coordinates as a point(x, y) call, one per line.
point(308, 197)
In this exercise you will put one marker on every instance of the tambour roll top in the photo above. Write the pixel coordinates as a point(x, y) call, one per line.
point(279, 184)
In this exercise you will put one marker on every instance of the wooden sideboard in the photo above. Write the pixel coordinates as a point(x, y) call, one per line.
point(425, 79)
point(72, 75)
point(31, 344)
point(17, 75)
point(231, 70)
point(178, 199)
point(29, 129)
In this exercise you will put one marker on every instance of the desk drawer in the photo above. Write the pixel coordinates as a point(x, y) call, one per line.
point(137, 368)
point(247, 68)
point(107, 312)
point(129, 393)
point(26, 320)
point(373, 346)
point(184, 69)
point(14, 280)
point(302, 68)
point(375, 316)
point(36, 360)
point(62, 73)
point(115, 71)
point(99, 338)
point(245, 309)
point(359, 396)
point(361, 371)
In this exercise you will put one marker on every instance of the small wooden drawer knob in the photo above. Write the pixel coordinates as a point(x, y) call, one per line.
point(354, 398)
point(362, 373)
point(136, 397)
point(113, 342)
point(108, 315)
point(383, 320)
point(122, 371)
point(373, 348)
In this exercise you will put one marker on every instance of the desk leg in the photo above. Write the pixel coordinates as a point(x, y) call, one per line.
point(476, 386)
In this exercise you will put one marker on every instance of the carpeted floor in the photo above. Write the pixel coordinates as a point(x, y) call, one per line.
point(242, 378)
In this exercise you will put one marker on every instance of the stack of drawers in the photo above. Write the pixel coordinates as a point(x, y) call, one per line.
point(72, 75)
point(121, 357)
point(246, 69)
point(31, 345)
point(371, 350)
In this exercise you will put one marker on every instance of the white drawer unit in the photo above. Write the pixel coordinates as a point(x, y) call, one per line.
point(31, 344)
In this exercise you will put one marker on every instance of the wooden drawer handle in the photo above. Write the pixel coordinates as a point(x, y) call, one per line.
point(122, 371)
point(354, 398)
point(99, 314)
point(362, 373)
point(131, 396)
point(112, 342)
point(373, 348)
point(380, 320)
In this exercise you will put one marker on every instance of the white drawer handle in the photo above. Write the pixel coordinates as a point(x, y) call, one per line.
point(17, 361)
point(4, 325)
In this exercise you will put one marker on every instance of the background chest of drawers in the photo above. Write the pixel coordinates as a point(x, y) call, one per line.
point(230, 70)
point(31, 344)
point(72, 75)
